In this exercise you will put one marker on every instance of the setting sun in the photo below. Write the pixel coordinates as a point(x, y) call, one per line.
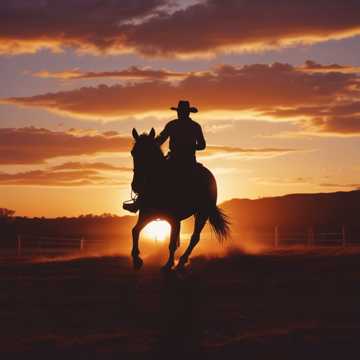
point(157, 230)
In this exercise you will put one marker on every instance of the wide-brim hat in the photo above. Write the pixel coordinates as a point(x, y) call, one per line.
point(185, 106)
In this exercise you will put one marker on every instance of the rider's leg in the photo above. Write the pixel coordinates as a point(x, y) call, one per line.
point(200, 221)
point(136, 204)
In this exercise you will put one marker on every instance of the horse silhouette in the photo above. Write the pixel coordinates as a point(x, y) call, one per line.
point(172, 192)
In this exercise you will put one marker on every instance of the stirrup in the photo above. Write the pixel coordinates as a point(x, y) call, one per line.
point(130, 206)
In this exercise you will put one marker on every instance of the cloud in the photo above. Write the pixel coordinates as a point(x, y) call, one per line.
point(312, 66)
point(51, 177)
point(149, 28)
point(34, 146)
point(334, 185)
point(68, 174)
point(132, 73)
point(344, 125)
point(322, 102)
point(278, 181)
point(90, 166)
point(87, 25)
point(342, 117)
point(258, 87)
point(242, 25)
point(237, 152)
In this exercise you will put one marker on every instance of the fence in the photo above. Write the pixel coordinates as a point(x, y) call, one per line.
point(277, 236)
point(47, 245)
point(312, 237)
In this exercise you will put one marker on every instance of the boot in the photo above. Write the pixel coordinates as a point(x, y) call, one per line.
point(132, 207)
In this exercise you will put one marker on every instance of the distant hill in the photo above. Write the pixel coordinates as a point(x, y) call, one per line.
point(295, 210)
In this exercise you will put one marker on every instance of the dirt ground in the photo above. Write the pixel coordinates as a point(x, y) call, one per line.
point(285, 304)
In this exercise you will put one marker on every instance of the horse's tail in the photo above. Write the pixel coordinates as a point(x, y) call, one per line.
point(220, 223)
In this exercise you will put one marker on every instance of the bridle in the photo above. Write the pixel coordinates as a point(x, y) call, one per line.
point(147, 168)
point(133, 194)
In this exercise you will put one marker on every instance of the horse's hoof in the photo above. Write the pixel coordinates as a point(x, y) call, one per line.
point(166, 268)
point(137, 263)
point(181, 264)
point(180, 267)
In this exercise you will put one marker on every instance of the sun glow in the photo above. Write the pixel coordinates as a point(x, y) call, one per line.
point(157, 230)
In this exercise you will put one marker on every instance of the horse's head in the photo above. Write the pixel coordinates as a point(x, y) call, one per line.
point(146, 155)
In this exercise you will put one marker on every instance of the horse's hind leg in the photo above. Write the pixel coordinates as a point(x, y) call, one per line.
point(200, 220)
point(174, 239)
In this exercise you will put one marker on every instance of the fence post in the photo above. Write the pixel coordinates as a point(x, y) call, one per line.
point(18, 245)
point(276, 236)
point(311, 236)
point(343, 235)
point(82, 241)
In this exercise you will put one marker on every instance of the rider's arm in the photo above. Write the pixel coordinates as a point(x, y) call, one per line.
point(200, 140)
point(163, 136)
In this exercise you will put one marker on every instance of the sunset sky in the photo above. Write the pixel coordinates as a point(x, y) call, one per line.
point(276, 83)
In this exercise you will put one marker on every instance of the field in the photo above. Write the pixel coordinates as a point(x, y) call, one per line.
point(283, 304)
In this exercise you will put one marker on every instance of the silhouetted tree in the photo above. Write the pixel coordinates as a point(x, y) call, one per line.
point(6, 213)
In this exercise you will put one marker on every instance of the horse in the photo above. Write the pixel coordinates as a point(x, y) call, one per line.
point(167, 196)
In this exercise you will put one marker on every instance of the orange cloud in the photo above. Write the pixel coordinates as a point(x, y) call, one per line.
point(50, 177)
point(90, 166)
point(237, 152)
point(34, 146)
point(342, 117)
point(255, 87)
point(132, 73)
point(147, 27)
point(334, 185)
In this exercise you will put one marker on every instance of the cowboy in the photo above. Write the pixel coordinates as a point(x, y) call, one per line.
point(186, 137)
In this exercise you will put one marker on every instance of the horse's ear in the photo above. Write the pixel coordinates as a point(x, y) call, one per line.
point(135, 134)
point(152, 133)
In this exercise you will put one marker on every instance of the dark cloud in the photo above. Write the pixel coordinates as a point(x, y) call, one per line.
point(345, 125)
point(90, 25)
point(313, 66)
point(33, 145)
point(141, 26)
point(215, 25)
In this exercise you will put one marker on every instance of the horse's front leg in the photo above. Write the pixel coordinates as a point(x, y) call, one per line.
point(174, 236)
point(135, 252)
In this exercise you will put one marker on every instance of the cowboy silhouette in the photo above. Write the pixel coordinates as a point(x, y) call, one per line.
point(186, 137)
